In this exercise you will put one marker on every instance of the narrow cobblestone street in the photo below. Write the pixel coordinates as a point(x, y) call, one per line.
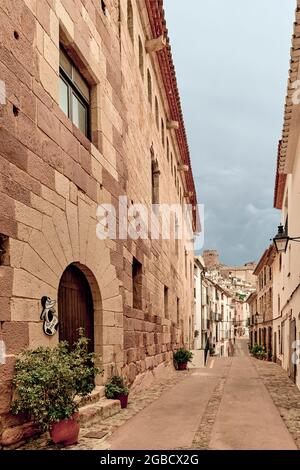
point(235, 403)
point(226, 407)
point(149, 230)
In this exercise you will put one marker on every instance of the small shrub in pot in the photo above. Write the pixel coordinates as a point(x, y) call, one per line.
point(259, 352)
point(46, 382)
point(182, 357)
point(116, 389)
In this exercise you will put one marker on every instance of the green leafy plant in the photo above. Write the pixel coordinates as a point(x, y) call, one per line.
point(47, 380)
point(258, 351)
point(261, 355)
point(115, 386)
point(183, 356)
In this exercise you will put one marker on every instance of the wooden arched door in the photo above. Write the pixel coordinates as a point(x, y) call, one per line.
point(75, 307)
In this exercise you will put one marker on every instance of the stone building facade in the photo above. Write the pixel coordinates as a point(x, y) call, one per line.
point(217, 316)
point(89, 112)
point(287, 201)
point(263, 328)
point(211, 259)
point(241, 317)
point(239, 275)
point(242, 274)
point(253, 313)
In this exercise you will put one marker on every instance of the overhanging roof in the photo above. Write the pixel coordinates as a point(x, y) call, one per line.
point(158, 27)
point(291, 123)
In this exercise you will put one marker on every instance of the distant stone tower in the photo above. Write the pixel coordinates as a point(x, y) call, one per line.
point(211, 258)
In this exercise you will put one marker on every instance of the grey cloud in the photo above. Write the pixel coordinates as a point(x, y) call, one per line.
point(232, 61)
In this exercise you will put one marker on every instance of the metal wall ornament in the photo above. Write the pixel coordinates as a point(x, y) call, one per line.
point(50, 325)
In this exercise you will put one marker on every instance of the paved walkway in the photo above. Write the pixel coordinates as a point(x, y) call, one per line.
point(225, 406)
point(171, 421)
point(247, 418)
point(234, 404)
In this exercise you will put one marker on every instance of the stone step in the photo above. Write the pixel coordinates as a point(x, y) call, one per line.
point(97, 412)
point(93, 397)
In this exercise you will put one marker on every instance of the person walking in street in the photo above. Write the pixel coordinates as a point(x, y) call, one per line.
point(230, 348)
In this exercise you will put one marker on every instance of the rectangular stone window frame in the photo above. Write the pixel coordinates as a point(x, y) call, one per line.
point(162, 132)
point(156, 113)
point(77, 90)
point(149, 87)
point(4, 250)
point(176, 234)
point(166, 302)
point(130, 20)
point(103, 7)
point(92, 79)
point(168, 149)
point(137, 284)
point(155, 179)
point(141, 58)
point(178, 310)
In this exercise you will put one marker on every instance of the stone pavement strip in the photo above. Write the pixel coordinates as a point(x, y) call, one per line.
point(247, 418)
point(235, 403)
point(285, 395)
point(170, 422)
point(203, 435)
point(111, 424)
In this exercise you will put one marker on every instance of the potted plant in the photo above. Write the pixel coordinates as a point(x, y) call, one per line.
point(254, 350)
point(182, 357)
point(46, 382)
point(116, 389)
point(258, 352)
point(261, 354)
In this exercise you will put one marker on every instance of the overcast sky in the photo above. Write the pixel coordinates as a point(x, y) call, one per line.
point(232, 61)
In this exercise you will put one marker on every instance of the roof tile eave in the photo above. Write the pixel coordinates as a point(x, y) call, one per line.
point(280, 180)
point(288, 108)
point(158, 26)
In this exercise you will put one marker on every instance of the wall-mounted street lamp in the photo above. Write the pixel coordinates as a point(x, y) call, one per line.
point(281, 240)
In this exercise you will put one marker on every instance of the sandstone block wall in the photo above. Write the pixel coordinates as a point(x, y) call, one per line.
point(52, 179)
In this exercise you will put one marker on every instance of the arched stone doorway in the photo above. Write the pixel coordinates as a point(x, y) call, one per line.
point(76, 306)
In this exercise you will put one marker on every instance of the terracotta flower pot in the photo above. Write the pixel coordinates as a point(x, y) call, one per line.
point(66, 432)
point(123, 400)
point(182, 366)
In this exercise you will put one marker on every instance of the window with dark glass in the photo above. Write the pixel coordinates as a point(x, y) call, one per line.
point(137, 283)
point(149, 80)
point(163, 132)
point(141, 58)
point(168, 150)
point(74, 94)
point(130, 20)
point(156, 113)
point(166, 301)
point(155, 182)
